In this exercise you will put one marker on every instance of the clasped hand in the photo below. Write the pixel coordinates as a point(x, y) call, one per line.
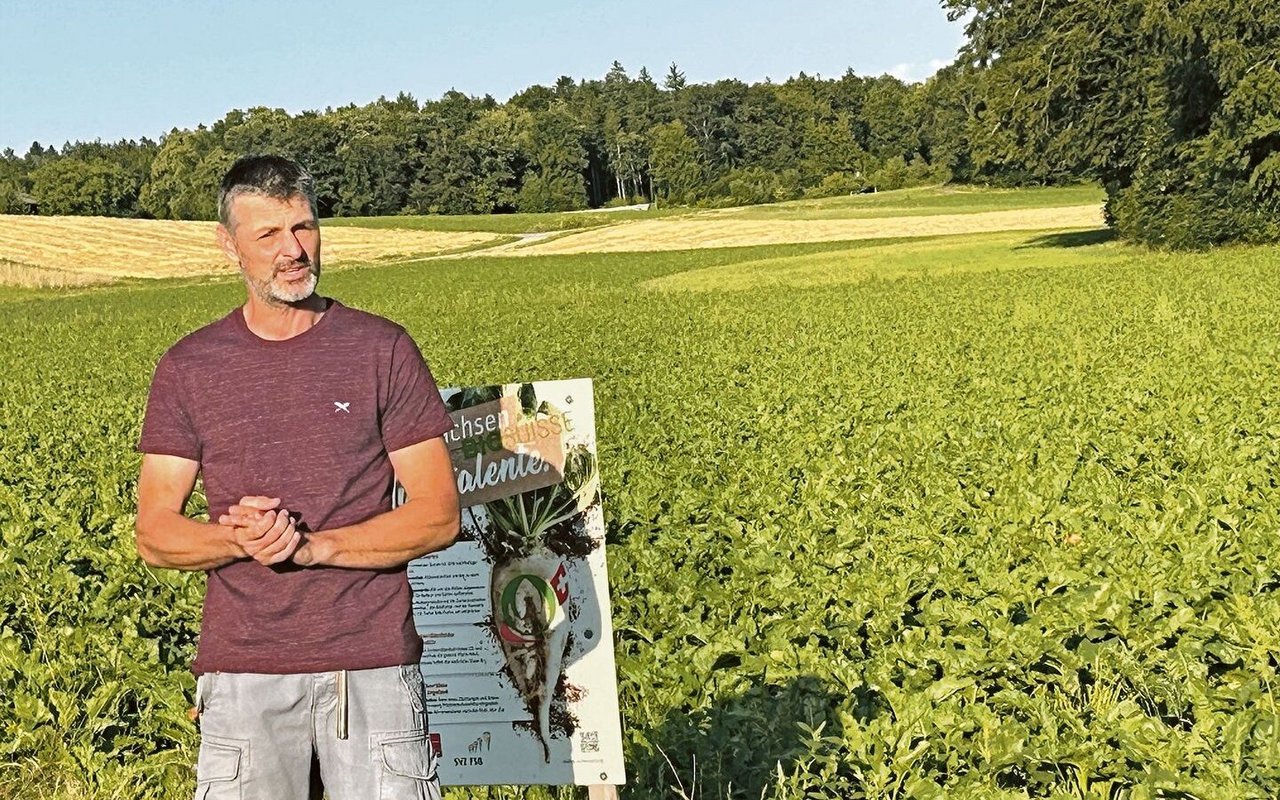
point(265, 534)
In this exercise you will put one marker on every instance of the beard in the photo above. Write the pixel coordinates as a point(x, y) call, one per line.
point(275, 291)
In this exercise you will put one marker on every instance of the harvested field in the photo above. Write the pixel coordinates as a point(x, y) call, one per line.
point(137, 248)
point(920, 201)
point(73, 251)
point(694, 233)
point(15, 274)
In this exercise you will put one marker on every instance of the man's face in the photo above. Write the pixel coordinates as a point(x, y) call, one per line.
point(277, 245)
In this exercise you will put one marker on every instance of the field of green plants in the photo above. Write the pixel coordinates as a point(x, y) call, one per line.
point(1005, 529)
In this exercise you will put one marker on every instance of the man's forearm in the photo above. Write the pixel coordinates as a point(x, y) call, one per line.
point(388, 540)
point(170, 540)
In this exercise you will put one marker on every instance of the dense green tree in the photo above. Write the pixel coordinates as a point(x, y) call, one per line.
point(627, 110)
point(94, 187)
point(1172, 105)
point(647, 105)
point(708, 112)
point(496, 143)
point(674, 165)
point(441, 162)
point(372, 155)
point(628, 154)
point(891, 112)
point(133, 156)
point(258, 130)
point(535, 98)
point(765, 139)
point(828, 146)
point(38, 154)
point(565, 88)
point(675, 80)
point(557, 157)
point(13, 183)
point(753, 185)
point(949, 124)
point(314, 139)
point(185, 175)
point(372, 178)
point(11, 198)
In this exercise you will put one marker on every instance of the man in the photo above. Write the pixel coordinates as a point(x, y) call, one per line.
point(296, 410)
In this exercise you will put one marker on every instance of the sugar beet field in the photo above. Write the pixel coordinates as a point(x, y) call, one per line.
point(992, 516)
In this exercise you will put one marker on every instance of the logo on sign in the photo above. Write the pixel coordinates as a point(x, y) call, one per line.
point(530, 606)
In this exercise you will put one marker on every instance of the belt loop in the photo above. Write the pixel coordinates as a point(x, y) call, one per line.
point(341, 712)
point(201, 689)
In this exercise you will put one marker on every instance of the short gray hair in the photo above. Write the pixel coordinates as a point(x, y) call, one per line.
point(276, 177)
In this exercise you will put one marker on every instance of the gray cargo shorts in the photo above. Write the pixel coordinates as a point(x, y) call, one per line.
point(260, 734)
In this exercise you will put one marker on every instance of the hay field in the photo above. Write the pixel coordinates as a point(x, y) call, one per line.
point(921, 201)
point(105, 249)
point(50, 252)
point(15, 274)
point(696, 232)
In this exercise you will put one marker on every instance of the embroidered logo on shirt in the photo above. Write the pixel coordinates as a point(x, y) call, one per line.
point(344, 407)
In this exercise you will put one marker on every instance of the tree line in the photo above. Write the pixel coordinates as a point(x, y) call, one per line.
point(1174, 108)
point(573, 145)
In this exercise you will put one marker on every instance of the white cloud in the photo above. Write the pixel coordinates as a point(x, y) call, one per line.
point(913, 73)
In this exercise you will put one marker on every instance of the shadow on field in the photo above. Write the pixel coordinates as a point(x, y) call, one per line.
point(732, 749)
point(1070, 239)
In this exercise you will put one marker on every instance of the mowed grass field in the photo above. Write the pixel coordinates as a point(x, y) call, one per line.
point(988, 515)
point(52, 252)
point(66, 251)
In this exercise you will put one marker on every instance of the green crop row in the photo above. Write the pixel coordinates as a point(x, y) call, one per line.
point(979, 534)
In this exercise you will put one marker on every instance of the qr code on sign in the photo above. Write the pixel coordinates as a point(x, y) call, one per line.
point(590, 742)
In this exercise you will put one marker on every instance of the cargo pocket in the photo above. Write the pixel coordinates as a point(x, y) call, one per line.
point(411, 680)
point(218, 768)
point(406, 766)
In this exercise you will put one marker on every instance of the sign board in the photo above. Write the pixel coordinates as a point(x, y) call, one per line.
point(514, 616)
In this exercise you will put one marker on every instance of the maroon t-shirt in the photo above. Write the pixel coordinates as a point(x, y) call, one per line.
point(309, 420)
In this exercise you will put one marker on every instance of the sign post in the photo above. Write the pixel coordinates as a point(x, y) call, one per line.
point(515, 616)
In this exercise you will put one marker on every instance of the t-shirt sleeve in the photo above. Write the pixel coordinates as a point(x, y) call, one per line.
point(414, 411)
point(166, 427)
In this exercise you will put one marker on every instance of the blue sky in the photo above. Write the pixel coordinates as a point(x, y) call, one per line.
point(128, 68)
